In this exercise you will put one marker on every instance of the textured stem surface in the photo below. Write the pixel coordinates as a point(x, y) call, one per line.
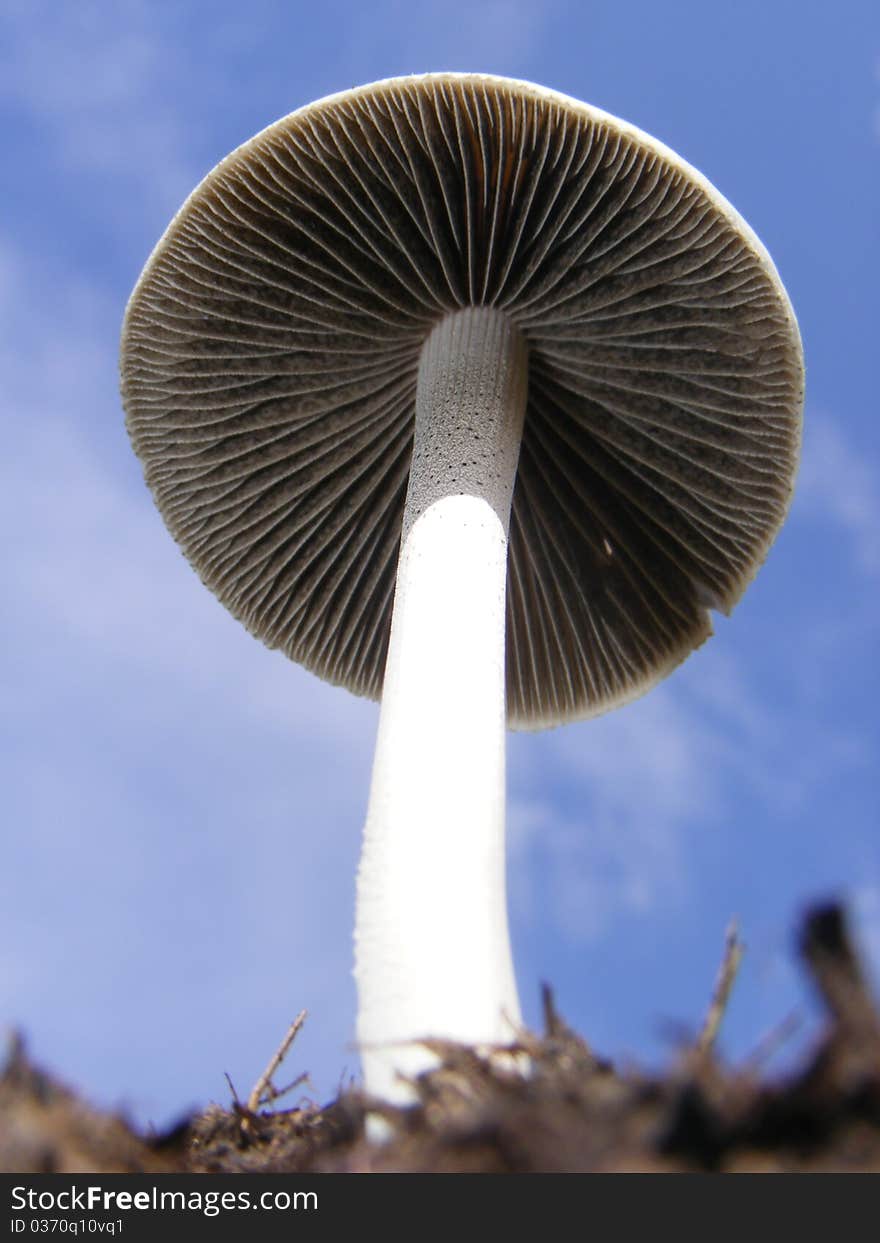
point(432, 951)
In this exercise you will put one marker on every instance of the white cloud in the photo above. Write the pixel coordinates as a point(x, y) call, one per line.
point(839, 484)
point(97, 77)
point(639, 779)
point(500, 33)
point(94, 563)
point(633, 789)
point(172, 796)
point(394, 37)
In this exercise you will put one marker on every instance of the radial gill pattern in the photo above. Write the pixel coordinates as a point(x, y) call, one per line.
point(271, 348)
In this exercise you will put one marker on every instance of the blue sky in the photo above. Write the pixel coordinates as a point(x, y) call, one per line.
point(181, 807)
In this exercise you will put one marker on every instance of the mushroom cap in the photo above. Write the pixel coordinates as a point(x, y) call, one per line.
point(271, 347)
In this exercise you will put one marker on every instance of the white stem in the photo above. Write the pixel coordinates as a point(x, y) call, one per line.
point(432, 951)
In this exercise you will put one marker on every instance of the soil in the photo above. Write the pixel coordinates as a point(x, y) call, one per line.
point(574, 1112)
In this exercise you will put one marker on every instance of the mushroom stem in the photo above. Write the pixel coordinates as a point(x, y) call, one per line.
point(432, 949)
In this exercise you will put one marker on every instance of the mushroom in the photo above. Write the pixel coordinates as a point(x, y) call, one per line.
point(469, 396)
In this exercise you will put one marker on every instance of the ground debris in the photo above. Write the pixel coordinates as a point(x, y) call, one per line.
point(546, 1104)
point(46, 1129)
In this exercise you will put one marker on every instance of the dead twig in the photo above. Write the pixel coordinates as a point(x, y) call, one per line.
point(731, 959)
point(553, 1024)
point(774, 1040)
point(264, 1090)
point(827, 948)
point(235, 1101)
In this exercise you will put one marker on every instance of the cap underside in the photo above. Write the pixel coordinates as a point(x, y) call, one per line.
point(271, 348)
